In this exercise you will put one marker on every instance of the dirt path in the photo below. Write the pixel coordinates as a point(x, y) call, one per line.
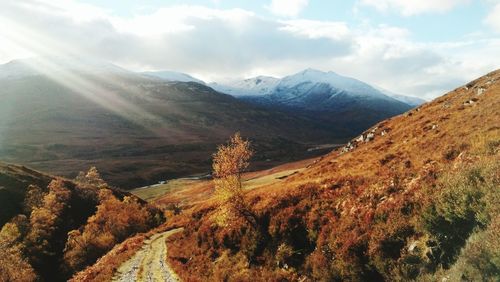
point(149, 263)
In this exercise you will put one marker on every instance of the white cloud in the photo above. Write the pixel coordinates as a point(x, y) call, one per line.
point(176, 20)
point(493, 18)
point(317, 29)
point(413, 7)
point(287, 8)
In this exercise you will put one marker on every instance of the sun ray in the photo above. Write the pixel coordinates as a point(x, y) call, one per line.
point(105, 92)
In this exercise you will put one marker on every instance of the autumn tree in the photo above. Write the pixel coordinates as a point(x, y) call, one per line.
point(13, 265)
point(229, 162)
point(32, 199)
point(114, 221)
point(91, 177)
point(46, 220)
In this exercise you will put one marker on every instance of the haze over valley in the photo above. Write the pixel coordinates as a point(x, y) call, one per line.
point(140, 128)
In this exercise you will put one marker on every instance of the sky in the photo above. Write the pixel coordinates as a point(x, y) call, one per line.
point(422, 48)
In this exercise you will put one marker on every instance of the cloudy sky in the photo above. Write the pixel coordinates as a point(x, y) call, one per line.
point(415, 47)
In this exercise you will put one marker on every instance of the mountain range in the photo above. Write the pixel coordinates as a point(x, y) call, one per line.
point(345, 105)
point(266, 85)
point(63, 115)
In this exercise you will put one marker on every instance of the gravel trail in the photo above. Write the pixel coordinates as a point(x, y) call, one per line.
point(149, 263)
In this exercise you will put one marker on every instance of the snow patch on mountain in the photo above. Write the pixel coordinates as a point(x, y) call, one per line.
point(260, 85)
point(173, 76)
point(309, 79)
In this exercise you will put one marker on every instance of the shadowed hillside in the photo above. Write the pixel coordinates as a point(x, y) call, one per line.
point(53, 227)
point(14, 182)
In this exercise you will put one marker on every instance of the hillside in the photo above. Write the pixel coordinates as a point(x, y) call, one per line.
point(415, 196)
point(137, 130)
point(55, 227)
point(14, 182)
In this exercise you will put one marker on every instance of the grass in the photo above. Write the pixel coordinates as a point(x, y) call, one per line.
point(154, 192)
point(269, 179)
point(187, 192)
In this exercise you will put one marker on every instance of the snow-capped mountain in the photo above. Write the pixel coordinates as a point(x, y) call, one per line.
point(314, 89)
point(298, 89)
point(260, 85)
point(173, 76)
point(343, 103)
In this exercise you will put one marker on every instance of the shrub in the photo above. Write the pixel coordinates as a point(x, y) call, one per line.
point(13, 265)
point(112, 223)
point(479, 260)
point(466, 200)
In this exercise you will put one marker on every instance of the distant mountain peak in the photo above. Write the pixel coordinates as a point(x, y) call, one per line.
point(53, 65)
point(309, 82)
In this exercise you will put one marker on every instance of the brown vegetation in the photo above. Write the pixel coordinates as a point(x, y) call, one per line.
point(68, 226)
point(417, 211)
point(113, 222)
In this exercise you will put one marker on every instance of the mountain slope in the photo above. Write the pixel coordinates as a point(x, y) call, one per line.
point(410, 198)
point(347, 105)
point(14, 182)
point(136, 129)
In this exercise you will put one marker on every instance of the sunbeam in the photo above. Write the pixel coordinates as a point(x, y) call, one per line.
point(59, 64)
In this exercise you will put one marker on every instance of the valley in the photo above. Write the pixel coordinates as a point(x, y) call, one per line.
point(155, 130)
point(191, 190)
point(249, 141)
